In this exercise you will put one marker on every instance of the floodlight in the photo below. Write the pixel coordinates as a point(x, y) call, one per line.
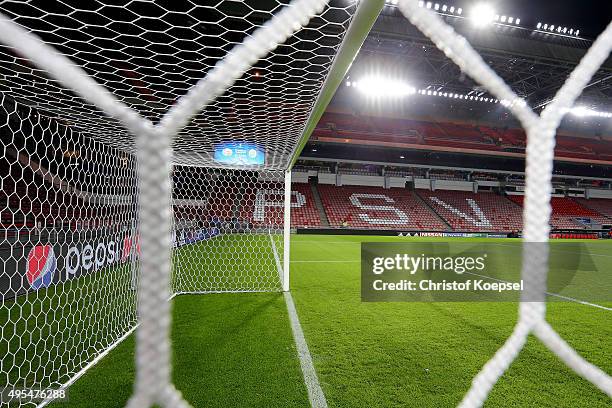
point(571, 31)
point(428, 5)
point(503, 19)
point(510, 20)
point(539, 25)
point(482, 15)
point(518, 21)
point(421, 3)
point(377, 86)
point(546, 26)
point(459, 10)
point(552, 28)
point(444, 8)
point(452, 9)
point(564, 30)
point(577, 32)
point(583, 111)
point(436, 7)
point(348, 83)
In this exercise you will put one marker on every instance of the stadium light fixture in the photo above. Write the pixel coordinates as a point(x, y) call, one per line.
point(482, 15)
point(378, 87)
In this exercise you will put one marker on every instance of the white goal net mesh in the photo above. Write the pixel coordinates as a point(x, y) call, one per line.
point(147, 85)
point(228, 230)
point(106, 107)
point(538, 174)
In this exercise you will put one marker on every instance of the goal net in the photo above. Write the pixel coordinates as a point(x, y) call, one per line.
point(144, 154)
point(228, 230)
point(145, 150)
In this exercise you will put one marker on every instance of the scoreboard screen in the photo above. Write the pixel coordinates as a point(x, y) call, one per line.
point(239, 153)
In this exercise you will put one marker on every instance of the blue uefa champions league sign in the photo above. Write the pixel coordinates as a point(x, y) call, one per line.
point(239, 153)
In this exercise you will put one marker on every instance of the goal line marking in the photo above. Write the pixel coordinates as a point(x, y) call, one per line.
point(311, 380)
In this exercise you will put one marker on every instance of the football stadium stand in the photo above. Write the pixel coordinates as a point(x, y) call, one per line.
point(370, 130)
point(467, 211)
point(376, 207)
point(602, 205)
point(566, 212)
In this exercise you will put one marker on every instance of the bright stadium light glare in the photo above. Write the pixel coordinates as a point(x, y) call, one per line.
point(583, 111)
point(482, 15)
point(377, 86)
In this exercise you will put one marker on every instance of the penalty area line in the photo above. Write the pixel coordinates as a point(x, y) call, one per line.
point(311, 380)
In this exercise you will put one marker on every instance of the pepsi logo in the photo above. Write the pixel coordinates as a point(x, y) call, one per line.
point(41, 265)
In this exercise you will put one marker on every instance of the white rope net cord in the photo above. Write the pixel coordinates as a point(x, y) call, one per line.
point(539, 163)
point(129, 76)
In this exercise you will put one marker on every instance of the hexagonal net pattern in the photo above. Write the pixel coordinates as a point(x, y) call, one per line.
point(149, 54)
point(228, 230)
point(537, 209)
point(103, 107)
point(68, 247)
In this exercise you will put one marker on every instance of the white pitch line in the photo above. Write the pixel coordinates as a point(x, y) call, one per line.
point(571, 299)
point(315, 392)
point(313, 387)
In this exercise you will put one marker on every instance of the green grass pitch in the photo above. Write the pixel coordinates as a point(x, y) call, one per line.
point(236, 350)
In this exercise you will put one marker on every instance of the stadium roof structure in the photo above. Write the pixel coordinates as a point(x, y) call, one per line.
point(533, 63)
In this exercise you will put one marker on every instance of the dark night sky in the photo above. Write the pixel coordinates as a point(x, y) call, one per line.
point(589, 16)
